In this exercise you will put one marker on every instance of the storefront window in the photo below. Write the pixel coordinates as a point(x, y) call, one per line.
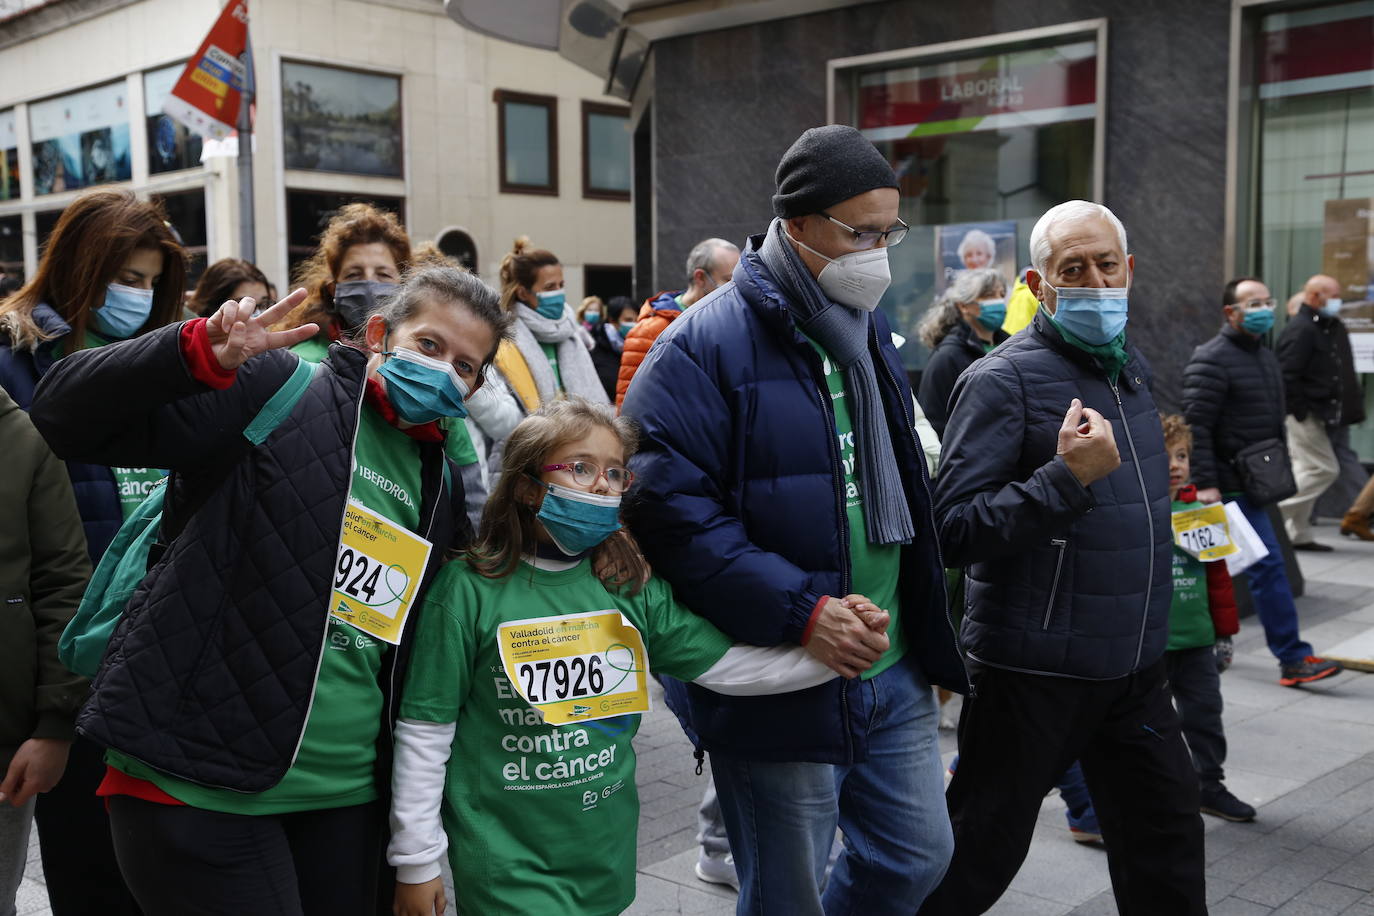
point(80, 139)
point(340, 120)
point(11, 249)
point(1313, 154)
point(983, 142)
point(171, 145)
point(308, 212)
point(186, 213)
point(9, 157)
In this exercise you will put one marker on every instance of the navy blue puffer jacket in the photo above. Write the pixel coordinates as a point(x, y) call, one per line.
point(1062, 579)
point(97, 494)
point(739, 504)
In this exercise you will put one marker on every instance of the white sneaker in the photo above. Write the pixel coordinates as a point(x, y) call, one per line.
point(718, 869)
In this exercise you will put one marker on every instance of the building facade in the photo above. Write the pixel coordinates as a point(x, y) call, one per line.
point(471, 140)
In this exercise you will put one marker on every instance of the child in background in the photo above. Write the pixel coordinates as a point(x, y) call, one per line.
point(541, 818)
point(1202, 620)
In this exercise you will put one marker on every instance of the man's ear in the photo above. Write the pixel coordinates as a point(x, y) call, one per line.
point(1036, 284)
point(795, 225)
point(374, 333)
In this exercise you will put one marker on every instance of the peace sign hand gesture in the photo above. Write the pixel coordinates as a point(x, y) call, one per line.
point(236, 336)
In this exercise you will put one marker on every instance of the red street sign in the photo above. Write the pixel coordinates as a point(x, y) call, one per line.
point(206, 95)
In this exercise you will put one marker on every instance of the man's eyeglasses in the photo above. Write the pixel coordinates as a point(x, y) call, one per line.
point(865, 239)
point(586, 474)
point(1259, 304)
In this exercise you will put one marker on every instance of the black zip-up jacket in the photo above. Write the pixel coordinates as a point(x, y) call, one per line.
point(1310, 353)
point(955, 352)
point(1063, 579)
point(1232, 398)
point(210, 674)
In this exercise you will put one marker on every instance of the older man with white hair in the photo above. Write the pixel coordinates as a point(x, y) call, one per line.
point(1054, 495)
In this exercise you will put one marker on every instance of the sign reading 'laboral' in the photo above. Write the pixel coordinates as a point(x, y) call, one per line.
point(1040, 86)
point(577, 667)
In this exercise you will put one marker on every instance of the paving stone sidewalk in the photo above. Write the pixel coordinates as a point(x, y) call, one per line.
point(1304, 757)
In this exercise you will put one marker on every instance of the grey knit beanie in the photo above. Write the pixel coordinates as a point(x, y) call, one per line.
point(825, 166)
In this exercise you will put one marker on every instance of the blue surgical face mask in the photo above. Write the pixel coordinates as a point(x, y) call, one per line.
point(992, 313)
point(592, 318)
point(126, 309)
point(422, 389)
point(1332, 307)
point(577, 520)
point(551, 304)
point(1094, 316)
point(1258, 321)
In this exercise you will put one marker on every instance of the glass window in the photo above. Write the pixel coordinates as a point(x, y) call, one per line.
point(186, 213)
point(9, 157)
point(341, 120)
point(171, 145)
point(308, 212)
point(1313, 155)
point(11, 249)
point(528, 134)
point(44, 223)
point(80, 139)
point(605, 151)
point(982, 144)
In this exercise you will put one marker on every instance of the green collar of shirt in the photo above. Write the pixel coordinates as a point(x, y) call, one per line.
point(1111, 356)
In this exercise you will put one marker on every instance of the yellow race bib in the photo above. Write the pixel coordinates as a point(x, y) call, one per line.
point(1204, 533)
point(377, 572)
point(578, 667)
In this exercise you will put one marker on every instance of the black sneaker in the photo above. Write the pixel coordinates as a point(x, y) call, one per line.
point(1312, 668)
point(1219, 802)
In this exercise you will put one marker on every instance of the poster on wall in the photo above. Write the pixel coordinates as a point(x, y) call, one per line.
point(80, 139)
point(968, 246)
point(1348, 256)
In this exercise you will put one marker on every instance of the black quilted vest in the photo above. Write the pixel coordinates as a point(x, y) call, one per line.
point(211, 672)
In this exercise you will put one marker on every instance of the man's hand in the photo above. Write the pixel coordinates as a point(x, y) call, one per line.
point(1209, 495)
point(236, 336)
point(1087, 444)
point(420, 899)
point(36, 767)
point(874, 617)
point(842, 642)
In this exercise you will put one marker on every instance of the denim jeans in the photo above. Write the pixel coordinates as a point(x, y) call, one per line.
point(781, 816)
point(1273, 596)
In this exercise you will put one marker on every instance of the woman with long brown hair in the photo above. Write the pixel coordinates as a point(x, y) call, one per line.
point(229, 278)
point(362, 254)
point(112, 270)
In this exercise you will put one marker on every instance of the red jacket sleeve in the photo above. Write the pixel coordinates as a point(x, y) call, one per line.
point(1221, 599)
point(200, 357)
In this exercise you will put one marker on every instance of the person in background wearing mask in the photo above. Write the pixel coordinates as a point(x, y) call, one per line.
point(43, 573)
point(764, 533)
point(111, 271)
point(596, 322)
point(710, 264)
point(1310, 354)
point(1233, 397)
point(962, 327)
point(362, 254)
point(228, 278)
point(624, 315)
point(1054, 494)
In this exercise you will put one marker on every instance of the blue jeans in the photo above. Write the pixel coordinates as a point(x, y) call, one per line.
point(1273, 596)
point(781, 817)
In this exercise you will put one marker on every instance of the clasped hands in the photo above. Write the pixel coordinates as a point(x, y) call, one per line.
point(849, 635)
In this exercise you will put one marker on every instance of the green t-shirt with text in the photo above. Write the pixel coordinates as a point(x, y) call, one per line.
point(334, 765)
point(874, 568)
point(540, 819)
point(1190, 614)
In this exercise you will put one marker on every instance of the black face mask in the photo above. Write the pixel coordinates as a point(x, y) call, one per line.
point(355, 300)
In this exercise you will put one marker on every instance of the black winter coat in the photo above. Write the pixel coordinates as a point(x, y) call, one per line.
point(956, 351)
point(210, 674)
point(1062, 579)
point(97, 493)
point(1232, 397)
point(1309, 351)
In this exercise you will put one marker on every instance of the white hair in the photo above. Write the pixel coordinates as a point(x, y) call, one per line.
point(1068, 212)
point(977, 238)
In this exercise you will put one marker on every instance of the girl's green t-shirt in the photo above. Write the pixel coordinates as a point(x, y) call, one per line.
point(334, 765)
point(540, 819)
